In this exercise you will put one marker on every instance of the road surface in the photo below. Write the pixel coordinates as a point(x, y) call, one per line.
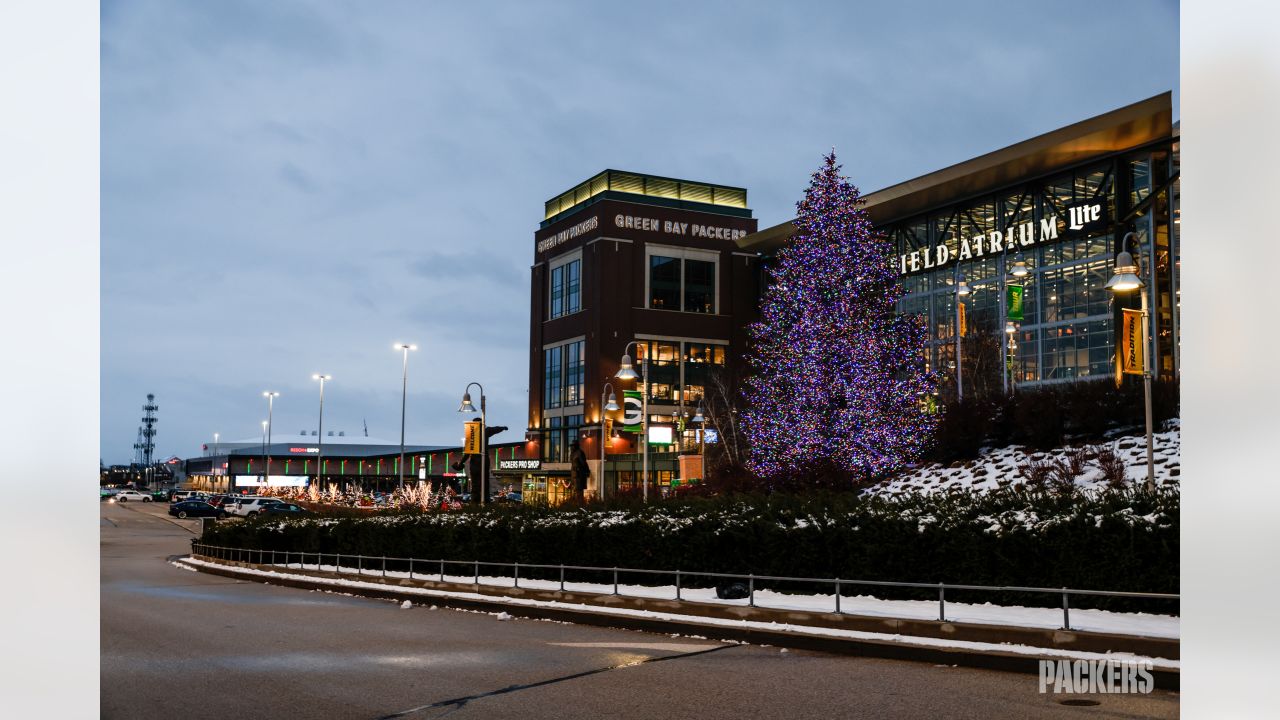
point(185, 645)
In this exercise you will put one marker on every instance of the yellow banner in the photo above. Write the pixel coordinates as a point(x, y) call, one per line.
point(473, 433)
point(1131, 345)
point(964, 320)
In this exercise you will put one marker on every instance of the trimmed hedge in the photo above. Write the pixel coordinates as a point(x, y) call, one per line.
point(1116, 540)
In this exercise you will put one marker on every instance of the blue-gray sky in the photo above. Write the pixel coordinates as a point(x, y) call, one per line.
point(290, 187)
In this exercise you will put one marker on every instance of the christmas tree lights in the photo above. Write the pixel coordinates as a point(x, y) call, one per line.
point(838, 378)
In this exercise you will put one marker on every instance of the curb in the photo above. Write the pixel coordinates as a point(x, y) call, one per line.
point(1164, 678)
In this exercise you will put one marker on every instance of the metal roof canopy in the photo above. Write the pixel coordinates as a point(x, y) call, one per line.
point(1128, 127)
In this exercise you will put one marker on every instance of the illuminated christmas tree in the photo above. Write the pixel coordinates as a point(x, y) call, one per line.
point(838, 386)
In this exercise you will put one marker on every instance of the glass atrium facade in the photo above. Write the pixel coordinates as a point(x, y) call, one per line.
point(1067, 327)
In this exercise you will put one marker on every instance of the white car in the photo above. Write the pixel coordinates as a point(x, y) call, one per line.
point(127, 495)
point(249, 506)
point(181, 495)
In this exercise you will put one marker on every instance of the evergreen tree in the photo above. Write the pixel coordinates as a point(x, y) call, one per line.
point(838, 381)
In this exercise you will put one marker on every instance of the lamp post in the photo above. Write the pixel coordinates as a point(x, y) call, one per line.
point(264, 451)
point(626, 372)
point(962, 289)
point(1018, 271)
point(480, 487)
point(1011, 353)
point(1127, 277)
point(404, 395)
point(212, 470)
point(610, 406)
point(700, 417)
point(270, 396)
point(320, 429)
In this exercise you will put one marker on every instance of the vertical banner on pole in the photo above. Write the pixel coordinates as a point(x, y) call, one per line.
point(1013, 303)
point(473, 433)
point(632, 410)
point(964, 320)
point(1131, 349)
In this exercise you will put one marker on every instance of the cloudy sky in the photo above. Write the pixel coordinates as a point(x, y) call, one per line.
point(290, 187)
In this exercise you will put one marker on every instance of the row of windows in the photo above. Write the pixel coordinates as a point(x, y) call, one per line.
point(679, 371)
point(563, 375)
point(677, 279)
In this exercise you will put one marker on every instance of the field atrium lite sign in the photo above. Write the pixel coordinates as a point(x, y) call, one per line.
point(1080, 218)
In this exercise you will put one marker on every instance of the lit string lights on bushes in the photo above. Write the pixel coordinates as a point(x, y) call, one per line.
point(838, 378)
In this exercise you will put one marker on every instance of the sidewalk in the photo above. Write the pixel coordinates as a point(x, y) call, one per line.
point(969, 642)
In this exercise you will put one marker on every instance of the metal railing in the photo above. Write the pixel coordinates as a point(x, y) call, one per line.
point(437, 570)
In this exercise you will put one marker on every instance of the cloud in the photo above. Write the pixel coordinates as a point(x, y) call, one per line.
point(290, 186)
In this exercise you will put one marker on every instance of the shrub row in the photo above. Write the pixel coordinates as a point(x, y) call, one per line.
point(1046, 417)
point(1116, 540)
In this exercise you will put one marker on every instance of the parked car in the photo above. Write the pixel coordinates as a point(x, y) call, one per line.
point(284, 508)
point(224, 501)
point(195, 508)
point(134, 495)
point(178, 496)
point(249, 505)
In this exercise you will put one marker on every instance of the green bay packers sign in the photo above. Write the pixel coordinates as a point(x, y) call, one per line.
point(632, 410)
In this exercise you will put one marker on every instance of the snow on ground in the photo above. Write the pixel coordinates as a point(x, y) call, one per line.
point(999, 468)
point(338, 583)
point(1141, 624)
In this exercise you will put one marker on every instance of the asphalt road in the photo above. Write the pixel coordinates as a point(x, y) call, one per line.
point(182, 644)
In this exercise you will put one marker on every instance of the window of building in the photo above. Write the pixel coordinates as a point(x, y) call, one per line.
point(682, 279)
point(558, 436)
point(566, 286)
point(679, 370)
point(664, 282)
point(552, 382)
point(563, 375)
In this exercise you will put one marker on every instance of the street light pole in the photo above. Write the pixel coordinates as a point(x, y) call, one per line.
point(700, 416)
point(212, 470)
point(481, 486)
point(404, 397)
point(271, 396)
point(1126, 277)
point(626, 372)
point(962, 289)
point(264, 452)
point(610, 406)
point(320, 430)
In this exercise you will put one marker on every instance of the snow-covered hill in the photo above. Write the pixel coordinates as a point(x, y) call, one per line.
point(1000, 467)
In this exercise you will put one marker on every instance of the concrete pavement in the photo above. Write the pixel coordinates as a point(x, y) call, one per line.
point(181, 644)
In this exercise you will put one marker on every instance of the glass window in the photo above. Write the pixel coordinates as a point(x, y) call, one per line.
point(557, 292)
point(566, 289)
point(699, 361)
point(575, 372)
point(664, 282)
point(682, 284)
point(563, 372)
point(552, 385)
point(573, 281)
point(699, 286)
